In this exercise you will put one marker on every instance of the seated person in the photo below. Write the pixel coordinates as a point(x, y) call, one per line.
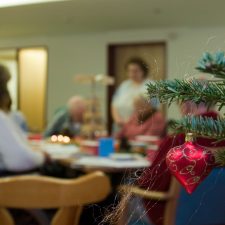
point(15, 153)
point(68, 120)
point(146, 120)
point(16, 116)
point(19, 118)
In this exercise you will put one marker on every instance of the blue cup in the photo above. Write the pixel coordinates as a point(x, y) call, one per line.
point(106, 147)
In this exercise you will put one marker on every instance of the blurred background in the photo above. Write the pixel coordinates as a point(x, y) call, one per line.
point(90, 37)
point(73, 76)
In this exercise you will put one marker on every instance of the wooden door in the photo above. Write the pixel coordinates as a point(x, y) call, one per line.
point(153, 53)
point(32, 86)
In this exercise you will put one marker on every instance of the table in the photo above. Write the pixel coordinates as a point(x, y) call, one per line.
point(71, 156)
point(74, 163)
point(77, 164)
point(59, 151)
point(92, 163)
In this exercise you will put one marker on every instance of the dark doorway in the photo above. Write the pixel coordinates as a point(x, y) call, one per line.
point(118, 54)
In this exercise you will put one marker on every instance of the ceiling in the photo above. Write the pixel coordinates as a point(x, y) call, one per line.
point(79, 16)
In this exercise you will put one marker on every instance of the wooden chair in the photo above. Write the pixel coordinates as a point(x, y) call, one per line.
point(45, 192)
point(170, 197)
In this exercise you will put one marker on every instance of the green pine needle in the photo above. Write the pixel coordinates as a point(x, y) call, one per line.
point(208, 92)
point(201, 126)
point(169, 91)
point(220, 157)
point(213, 64)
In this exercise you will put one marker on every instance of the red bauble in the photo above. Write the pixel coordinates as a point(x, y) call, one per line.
point(190, 163)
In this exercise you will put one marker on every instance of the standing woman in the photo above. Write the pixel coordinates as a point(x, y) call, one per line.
point(123, 100)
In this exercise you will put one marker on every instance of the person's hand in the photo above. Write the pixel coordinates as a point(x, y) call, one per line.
point(47, 157)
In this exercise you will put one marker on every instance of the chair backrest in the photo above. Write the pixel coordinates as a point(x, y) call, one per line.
point(206, 205)
point(45, 192)
point(171, 203)
point(168, 198)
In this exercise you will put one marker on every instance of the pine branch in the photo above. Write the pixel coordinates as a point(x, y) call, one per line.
point(220, 157)
point(169, 91)
point(213, 64)
point(201, 126)
point(208, 92)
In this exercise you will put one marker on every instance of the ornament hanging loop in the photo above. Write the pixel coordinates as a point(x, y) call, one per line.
point(190, 137)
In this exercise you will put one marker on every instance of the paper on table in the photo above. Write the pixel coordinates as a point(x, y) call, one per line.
point(110, 163)
point(57, 151)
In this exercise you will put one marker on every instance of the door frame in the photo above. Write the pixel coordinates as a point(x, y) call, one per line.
point(111, 71)
point(17, 49)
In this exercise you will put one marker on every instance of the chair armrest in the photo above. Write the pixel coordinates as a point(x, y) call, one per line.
point(153, 195)
point(5, 217)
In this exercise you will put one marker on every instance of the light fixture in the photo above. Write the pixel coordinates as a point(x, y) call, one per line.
point(11, 3)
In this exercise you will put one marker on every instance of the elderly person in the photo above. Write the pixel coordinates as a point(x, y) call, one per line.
point(146, 120)
point(68, 121)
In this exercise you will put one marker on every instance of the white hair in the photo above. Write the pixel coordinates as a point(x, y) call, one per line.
point(75, 100)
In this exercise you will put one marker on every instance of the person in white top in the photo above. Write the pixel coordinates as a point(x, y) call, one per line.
point(123, 99)
point(15, 153)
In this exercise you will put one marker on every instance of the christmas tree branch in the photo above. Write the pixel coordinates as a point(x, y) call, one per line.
point(211, 92)
point(213, 64)
point(220, 156)
point(200, 126)
point(169, 91)
point(203, 127)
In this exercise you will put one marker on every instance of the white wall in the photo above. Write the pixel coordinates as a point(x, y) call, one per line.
point(87, 53)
